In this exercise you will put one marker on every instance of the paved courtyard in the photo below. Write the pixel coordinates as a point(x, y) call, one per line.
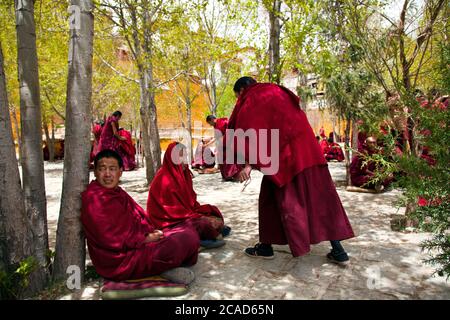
point(384, 264)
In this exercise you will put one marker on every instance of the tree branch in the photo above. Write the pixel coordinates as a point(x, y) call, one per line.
point(114, 69)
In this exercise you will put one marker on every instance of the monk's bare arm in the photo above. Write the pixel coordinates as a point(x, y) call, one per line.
point(244, 174)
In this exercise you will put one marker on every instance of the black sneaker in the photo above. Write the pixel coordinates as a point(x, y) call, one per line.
point(340, 258)
point(260, 251)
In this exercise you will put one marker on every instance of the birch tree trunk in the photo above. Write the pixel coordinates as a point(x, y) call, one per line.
point(17, 132)
point(189, 118)
point(155, 146)
point(274, 42)
point(150, 170)
point(70, 244)
point(16, 238)
point(50, 142)
point(348, 156)
point(31, 131)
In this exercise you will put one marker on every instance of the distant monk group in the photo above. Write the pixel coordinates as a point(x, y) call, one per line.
point(127, 242)
point(363, 170)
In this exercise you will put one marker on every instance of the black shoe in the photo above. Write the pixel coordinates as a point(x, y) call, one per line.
point(340, 258)
point(260, 251)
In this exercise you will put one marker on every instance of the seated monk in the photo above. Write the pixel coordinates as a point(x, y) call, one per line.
point(360, 174)
point(204, 157)
point(126, 150)
point(334, 151)
point(172, 199)
point(123, 244)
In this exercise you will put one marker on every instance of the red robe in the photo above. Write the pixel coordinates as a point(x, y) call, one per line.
point(221, 125)
point(127, 150)
point(203, 157)
point(107, 139)
point(291, 206)
point(172, 199)
point(116, 227)
point(334, 152)
point(96, 131)
point(268, 106)
point(324, 146)
point(360, 174)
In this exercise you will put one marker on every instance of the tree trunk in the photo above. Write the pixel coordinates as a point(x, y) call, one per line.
point(302, 84)
point(155, 146)
point(70, 245)
point(348, 159)
point(16, 238)
point(16, 128)
point(274, 42)
point(31, 130)
point(53, 129)
point(189, 118)
point(150, 133)
point(50, 143)
point(213, 92)
point(149, 167)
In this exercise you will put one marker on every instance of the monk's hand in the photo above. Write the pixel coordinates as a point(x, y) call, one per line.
point(154, 236)
point(244, 175)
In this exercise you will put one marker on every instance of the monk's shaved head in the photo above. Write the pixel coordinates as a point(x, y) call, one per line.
point(371, 140)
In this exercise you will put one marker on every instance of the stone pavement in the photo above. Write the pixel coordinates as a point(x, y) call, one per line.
point(384, 264)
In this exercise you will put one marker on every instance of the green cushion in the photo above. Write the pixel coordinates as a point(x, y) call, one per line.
point(142, 293)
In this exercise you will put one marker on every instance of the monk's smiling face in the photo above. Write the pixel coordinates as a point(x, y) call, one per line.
point(108, 172)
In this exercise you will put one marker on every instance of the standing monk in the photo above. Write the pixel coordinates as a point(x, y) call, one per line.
point(291, 206)
point(220, 126)
point(110, 137)
point(123, 244)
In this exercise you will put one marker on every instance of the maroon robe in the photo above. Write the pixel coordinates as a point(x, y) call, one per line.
point(202, 152)
point(126, 150)
point(324, 146)
point(107, 139)
point(116, 227)
point(360, 174)
point(221, 125)
point(172, 199)
point(291, 206)
point(334, 152)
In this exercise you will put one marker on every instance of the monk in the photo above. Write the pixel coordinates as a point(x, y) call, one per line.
point(172, 199)
point(204, 157)
point(220, 126)
point(361, 174)
point(110, 137)
point(96, 131)
point(126, 150)
point(123, 244)
point(334, 151)
point(291, 206)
